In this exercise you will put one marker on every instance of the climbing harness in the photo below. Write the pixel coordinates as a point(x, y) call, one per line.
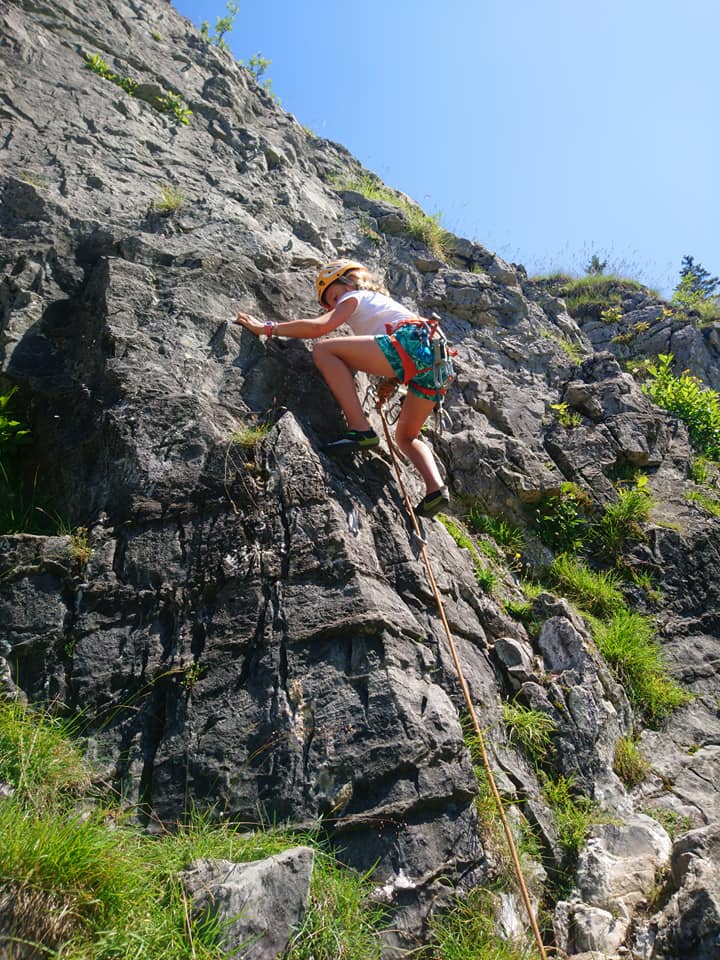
point(433, 354)
point(466, 693)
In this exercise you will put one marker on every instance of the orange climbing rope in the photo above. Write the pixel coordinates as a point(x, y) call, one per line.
point(466, 693)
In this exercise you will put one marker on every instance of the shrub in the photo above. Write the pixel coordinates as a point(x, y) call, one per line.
point(697, 291)
point(562, 520)
point(685, 396)
point(223, 25)
point(565, 416)
point(628, 644)
point(629, 763)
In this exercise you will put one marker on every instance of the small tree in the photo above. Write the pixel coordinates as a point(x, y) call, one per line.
point(697, 290)
point(696, 280)
point(595, 266)
point(224, 25)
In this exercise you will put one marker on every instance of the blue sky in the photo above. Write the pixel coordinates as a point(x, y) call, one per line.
point(547, 130)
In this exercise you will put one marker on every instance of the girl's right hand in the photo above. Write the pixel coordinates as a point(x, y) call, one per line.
point(250, 323)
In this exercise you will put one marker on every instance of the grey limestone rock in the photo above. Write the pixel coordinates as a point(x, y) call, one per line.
point(257, 905)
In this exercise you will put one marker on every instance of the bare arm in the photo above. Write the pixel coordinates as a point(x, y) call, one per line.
point(302, 329)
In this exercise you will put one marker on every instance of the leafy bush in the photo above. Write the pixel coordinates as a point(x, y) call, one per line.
point(223, 26)
point(628, 644)
point(685, 396)
point(562, 520)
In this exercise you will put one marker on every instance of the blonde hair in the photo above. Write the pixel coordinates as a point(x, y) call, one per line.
point(364, 280)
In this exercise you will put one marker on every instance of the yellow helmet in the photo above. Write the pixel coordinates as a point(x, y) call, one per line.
point(332, 272)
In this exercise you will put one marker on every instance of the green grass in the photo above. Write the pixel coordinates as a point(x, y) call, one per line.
point(675, 823)
point(532, 730)
point(573, 813)
point(629, 762)
point(597, 592)
point(171, 199)
point(168, 102)
point(621, 520)
point(627, 642)
point(342, 922)
point(468, 932)
point(77, 877)
point(485, 578)
point(37, 756)
point(424, 227)
point(709, 504)
point(249, 436)
point(592, 295)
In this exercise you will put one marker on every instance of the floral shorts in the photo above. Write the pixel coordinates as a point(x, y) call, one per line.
point(413, 340)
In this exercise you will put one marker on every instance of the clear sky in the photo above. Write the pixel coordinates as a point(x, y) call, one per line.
point(547, 130)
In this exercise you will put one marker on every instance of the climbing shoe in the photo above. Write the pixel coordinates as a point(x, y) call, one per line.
point(433, 503)
point(353, 440)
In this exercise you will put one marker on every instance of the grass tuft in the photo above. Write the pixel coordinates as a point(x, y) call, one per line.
point(628, 644)
point(629, 762)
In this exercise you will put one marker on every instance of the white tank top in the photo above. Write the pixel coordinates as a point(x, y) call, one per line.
point(373, 311)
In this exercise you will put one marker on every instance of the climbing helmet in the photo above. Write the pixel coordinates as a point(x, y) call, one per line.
point(332, 272)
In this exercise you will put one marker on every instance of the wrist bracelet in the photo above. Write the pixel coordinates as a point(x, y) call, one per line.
point(269, 328)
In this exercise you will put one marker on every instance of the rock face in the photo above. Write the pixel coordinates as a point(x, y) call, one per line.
point(253, 630)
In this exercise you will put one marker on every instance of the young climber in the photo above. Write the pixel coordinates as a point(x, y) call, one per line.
point(388, 342)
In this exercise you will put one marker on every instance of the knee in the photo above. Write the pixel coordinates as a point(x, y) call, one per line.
point(319, 352)
point(404, 438)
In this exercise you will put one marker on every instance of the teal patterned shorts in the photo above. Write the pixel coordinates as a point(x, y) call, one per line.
point(411, 338)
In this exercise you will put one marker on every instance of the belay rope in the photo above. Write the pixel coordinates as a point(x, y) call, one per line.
point(466, 693)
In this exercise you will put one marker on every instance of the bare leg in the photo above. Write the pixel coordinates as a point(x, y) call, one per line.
point(414, 413)
point(337, 358)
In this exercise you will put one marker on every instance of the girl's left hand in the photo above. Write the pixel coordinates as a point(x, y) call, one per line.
point(250, 323)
